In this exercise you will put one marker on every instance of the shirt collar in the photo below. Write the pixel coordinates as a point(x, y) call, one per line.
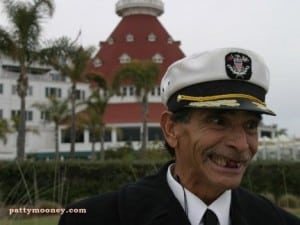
point(196, 207)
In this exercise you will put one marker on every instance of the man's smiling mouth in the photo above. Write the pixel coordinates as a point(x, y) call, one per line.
point(224, 161)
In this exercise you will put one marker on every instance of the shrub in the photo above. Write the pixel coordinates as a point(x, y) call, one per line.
point(66, 181)
point(289, 201)
point(46, 204)
point(269, 196)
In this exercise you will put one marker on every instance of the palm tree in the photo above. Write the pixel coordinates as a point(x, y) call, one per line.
point(55, 111)
point(95, 108)
point(4, 130)
point(71, 60)
point(143, 75)
point(20, 42)
point(15, 124)
point(97, 104)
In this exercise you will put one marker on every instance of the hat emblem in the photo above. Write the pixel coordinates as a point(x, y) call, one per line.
point(238, 66)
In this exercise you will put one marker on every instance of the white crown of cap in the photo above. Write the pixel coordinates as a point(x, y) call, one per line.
point(209, 66)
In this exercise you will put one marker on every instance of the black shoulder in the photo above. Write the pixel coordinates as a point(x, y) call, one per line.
point(257, 208)
point(100, 209)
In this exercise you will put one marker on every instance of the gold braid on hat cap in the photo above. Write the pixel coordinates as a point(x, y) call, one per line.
point(218, 97)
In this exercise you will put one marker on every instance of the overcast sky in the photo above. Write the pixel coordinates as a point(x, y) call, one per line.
point(269, 27)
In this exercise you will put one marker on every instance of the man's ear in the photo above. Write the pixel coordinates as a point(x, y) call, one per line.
point(168, 128)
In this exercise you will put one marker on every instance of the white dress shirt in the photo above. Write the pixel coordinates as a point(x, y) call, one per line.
point(195, 207)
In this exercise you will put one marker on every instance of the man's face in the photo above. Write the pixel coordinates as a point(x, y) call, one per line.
point(214, 147)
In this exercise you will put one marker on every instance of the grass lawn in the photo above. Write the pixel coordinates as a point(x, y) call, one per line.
point(49, 220)
point(295, 211)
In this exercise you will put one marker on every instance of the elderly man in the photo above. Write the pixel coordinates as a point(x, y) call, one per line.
point(214, 104)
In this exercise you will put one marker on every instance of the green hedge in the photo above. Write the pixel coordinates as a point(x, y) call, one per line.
point(276, 177)
point(64, 182)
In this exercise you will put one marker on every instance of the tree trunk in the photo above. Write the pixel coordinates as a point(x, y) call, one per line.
point(102, 150)
point(56, 143)
point(145, 126)
point(22, 87)
point(93, 155)
point(73, 127)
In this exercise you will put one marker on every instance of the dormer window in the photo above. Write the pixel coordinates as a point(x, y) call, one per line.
point(110, 41)
point(170, 40)
point(157, 58)
point(151, 37)
point(124, 58)
point(97, 62)
point(129, 38)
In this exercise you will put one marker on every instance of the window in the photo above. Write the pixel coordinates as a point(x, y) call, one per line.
point(131, 91)
point(155, 134)
point(170, 40)
point(97, 62)
point(124, 91)
point(155, 91)
point(264, 133)
point(110, 41)
point(30, 91)
point(44, 115)
point(28, 114)
point(14, 90)
point(127, 91)
point(158, 90)
point(80, 95)
point(53, 92)
point(1, 114)
point(157, 58)
point(128, 134)
point(151, 37)
point(57, 77)
point(129, 38)
point(124, 58)
point(1, 88)
point(107, 136)
point(66, 136)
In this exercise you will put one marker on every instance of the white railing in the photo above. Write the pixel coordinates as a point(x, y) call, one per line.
point(142, 3)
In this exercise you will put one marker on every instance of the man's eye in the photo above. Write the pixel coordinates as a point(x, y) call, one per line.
point(252, 125)
point(218, 121)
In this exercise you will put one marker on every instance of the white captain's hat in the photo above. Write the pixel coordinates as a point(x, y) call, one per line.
point(225, 78)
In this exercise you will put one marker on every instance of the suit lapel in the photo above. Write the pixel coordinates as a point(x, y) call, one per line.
point(151, 202)
point(170, 214)
point(237, 218)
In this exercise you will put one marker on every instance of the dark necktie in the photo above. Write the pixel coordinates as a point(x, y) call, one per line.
point(210, 218)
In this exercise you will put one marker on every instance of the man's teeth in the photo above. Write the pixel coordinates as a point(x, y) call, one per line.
point(220, 161)
point(225, 162)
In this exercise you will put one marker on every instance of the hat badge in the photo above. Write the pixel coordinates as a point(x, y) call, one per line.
point(238, 66)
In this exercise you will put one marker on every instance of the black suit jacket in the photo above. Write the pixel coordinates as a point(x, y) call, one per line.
point(151, 202)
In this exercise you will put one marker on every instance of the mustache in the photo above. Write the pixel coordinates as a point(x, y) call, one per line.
point(243, 157)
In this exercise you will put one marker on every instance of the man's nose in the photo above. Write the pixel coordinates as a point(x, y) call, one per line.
point(238, 139)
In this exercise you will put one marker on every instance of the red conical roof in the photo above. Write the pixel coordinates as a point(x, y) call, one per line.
point(140, 37)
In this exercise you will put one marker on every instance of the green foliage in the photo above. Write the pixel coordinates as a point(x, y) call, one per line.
point(4, 130)
point(289, 201)
point(269, 196)
point(67, 181)
point(53, 220)
point(276, 177)
point(21, 42)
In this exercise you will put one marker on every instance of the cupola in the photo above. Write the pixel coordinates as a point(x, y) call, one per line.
point(133, 7)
